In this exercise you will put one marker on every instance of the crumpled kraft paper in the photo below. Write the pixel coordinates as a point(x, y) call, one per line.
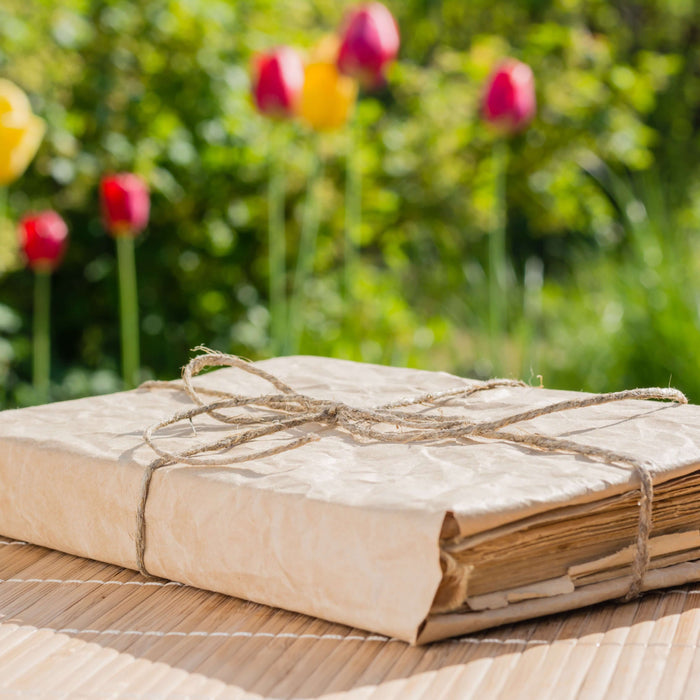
point(338, 529)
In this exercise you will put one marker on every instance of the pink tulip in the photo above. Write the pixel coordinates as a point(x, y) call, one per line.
point(278, 78)
point(509, 102)
point(43, 240)
point(125, 204)
point(369, 42)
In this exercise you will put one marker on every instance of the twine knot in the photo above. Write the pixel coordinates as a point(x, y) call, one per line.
point(266, 414)
point(331, 414)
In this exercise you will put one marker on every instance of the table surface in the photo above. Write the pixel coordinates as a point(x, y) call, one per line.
point(75, 628)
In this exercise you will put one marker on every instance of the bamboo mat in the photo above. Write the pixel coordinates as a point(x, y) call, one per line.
point(75, 628)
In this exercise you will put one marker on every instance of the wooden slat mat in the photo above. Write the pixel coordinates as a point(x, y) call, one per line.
point(74, 628)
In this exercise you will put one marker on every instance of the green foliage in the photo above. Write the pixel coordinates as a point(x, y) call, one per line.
point(598, 298)
point(644, 322)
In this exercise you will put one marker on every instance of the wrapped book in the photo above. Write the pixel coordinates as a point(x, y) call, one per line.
point(383, 498)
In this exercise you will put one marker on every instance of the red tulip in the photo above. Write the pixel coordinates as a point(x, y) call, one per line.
point(369, 42)
point(125, 204)
point(43, 239)
point(509, 102)
point(278, 78)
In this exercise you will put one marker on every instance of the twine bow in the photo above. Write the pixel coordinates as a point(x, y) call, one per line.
point(286, 409)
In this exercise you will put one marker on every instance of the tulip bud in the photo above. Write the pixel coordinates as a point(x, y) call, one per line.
point(277, 81)
point(327, 98)
point(370, 41)
point(509, 102)
point(43, 240)
point(20, 132)
point(125, 204)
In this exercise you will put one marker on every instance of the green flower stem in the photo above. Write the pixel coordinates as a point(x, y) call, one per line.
point(353, 208)
point(4, 368)
point(277, 246)
point(497, 259)
point(533, 283)
point(42, 339)
point(128, 310)
point(307, 248)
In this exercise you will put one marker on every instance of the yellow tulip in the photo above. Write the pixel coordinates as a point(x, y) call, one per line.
point(20, 132)
point(326, 50)
point(327, 97)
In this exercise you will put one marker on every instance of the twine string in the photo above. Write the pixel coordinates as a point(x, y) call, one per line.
point(285, 410)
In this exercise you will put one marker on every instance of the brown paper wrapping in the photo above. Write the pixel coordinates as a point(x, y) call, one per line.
point(338, 529)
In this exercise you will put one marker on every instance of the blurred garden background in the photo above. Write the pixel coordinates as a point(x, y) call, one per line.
point(603, 190)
